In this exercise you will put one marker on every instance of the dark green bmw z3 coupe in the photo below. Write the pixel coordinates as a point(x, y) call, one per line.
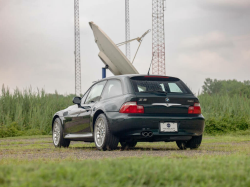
point(130, 109)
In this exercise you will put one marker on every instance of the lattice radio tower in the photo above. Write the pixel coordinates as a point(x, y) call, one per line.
point(77, 51)
point(158, 37)
point(127, 28)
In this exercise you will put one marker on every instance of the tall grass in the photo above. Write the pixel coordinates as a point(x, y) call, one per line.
point(27, 112)
point(30, 112)
point(225, 113)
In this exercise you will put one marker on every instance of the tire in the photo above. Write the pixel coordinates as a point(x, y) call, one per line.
point(104, 139)
point(182, 145)
point(195, 142)
point(57, 135)
point(128, 144)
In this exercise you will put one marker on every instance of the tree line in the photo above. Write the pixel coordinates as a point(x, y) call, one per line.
point(230, 87)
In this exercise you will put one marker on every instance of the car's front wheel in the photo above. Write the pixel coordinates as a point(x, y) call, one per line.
point(58, 139)
point(194, 143)
point(104, 139)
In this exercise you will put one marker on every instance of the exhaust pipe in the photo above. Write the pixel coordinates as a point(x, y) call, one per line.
point(150, 134)
point(147, 134)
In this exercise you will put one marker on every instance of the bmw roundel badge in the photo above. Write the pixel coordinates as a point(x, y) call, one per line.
point(168, 125)
point(167, 99)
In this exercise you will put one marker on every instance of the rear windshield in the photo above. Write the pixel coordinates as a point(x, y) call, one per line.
point(169, 85)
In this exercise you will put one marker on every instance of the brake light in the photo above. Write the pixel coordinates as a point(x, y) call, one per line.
point(196, 109)
point(156, 77)
point(132, 108)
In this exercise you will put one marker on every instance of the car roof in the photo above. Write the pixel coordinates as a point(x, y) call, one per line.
point(134, 75)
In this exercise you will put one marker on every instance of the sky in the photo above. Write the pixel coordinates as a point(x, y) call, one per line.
point(204, 39)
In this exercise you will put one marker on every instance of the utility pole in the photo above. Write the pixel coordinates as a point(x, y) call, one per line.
point(127, 28)
point(77, 50)
point(158, 37)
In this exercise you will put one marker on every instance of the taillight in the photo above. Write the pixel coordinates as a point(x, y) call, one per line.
point(196, 109)
point(132, 107)
point(157, 77)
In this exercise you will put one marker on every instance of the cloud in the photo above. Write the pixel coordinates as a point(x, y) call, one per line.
point(204, 61)
point(214, 40)
point(246, 55)
point(225, 5)
point(37, 40)
point(214, 55)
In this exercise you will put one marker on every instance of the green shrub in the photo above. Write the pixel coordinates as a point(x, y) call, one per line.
point(226, 125)
point(224, 113)
point(10, 131)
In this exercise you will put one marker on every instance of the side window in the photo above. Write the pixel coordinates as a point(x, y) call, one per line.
point(112, 89)
point(95, 92)
point(174, 88)
point(84, 97)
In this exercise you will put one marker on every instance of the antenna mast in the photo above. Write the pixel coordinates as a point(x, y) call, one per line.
point(127, 29)
point(158, 37)
point(77, 50)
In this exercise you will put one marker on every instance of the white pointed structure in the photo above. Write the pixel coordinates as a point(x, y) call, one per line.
point(110, 54)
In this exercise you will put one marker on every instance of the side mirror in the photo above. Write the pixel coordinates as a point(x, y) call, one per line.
point(77, 100)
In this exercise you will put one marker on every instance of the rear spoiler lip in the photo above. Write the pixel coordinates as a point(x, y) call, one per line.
point(154, 77)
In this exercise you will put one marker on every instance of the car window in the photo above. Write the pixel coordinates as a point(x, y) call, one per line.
point(174, 88)
point(95, 92)
point(157, 85)
point(142, 88)
point(112, 89)
point(162, 86)
point(84, 97)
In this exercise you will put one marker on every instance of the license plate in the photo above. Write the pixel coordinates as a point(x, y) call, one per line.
point(168, 127)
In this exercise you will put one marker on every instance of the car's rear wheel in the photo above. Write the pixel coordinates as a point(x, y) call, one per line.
point(194, 143)
point(182, 144)
point(104, 139)
point(57, 136)
point(128, 144)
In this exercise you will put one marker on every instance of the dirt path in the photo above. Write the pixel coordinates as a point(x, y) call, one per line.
point(42, 148)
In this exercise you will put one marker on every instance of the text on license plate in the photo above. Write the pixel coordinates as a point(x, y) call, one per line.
point(168, 127)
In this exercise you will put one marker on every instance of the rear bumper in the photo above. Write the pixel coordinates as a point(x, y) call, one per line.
point(127, 125)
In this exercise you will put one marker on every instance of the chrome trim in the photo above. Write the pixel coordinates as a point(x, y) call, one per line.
point(100, 132)
point(69, 136)
point(56, 133)
point(166, 104)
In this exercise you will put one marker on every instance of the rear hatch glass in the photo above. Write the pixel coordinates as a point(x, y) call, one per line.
point(163, 95)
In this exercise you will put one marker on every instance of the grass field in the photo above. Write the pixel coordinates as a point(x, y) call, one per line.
point(33, 161)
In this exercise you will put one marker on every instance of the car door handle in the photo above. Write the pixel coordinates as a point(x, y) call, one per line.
point(74, 112)
point(87, 108)
point(82, 111)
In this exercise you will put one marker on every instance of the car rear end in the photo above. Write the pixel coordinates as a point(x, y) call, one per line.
point(159, 108)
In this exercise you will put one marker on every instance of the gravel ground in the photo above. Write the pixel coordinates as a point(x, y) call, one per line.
point(42, 148)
